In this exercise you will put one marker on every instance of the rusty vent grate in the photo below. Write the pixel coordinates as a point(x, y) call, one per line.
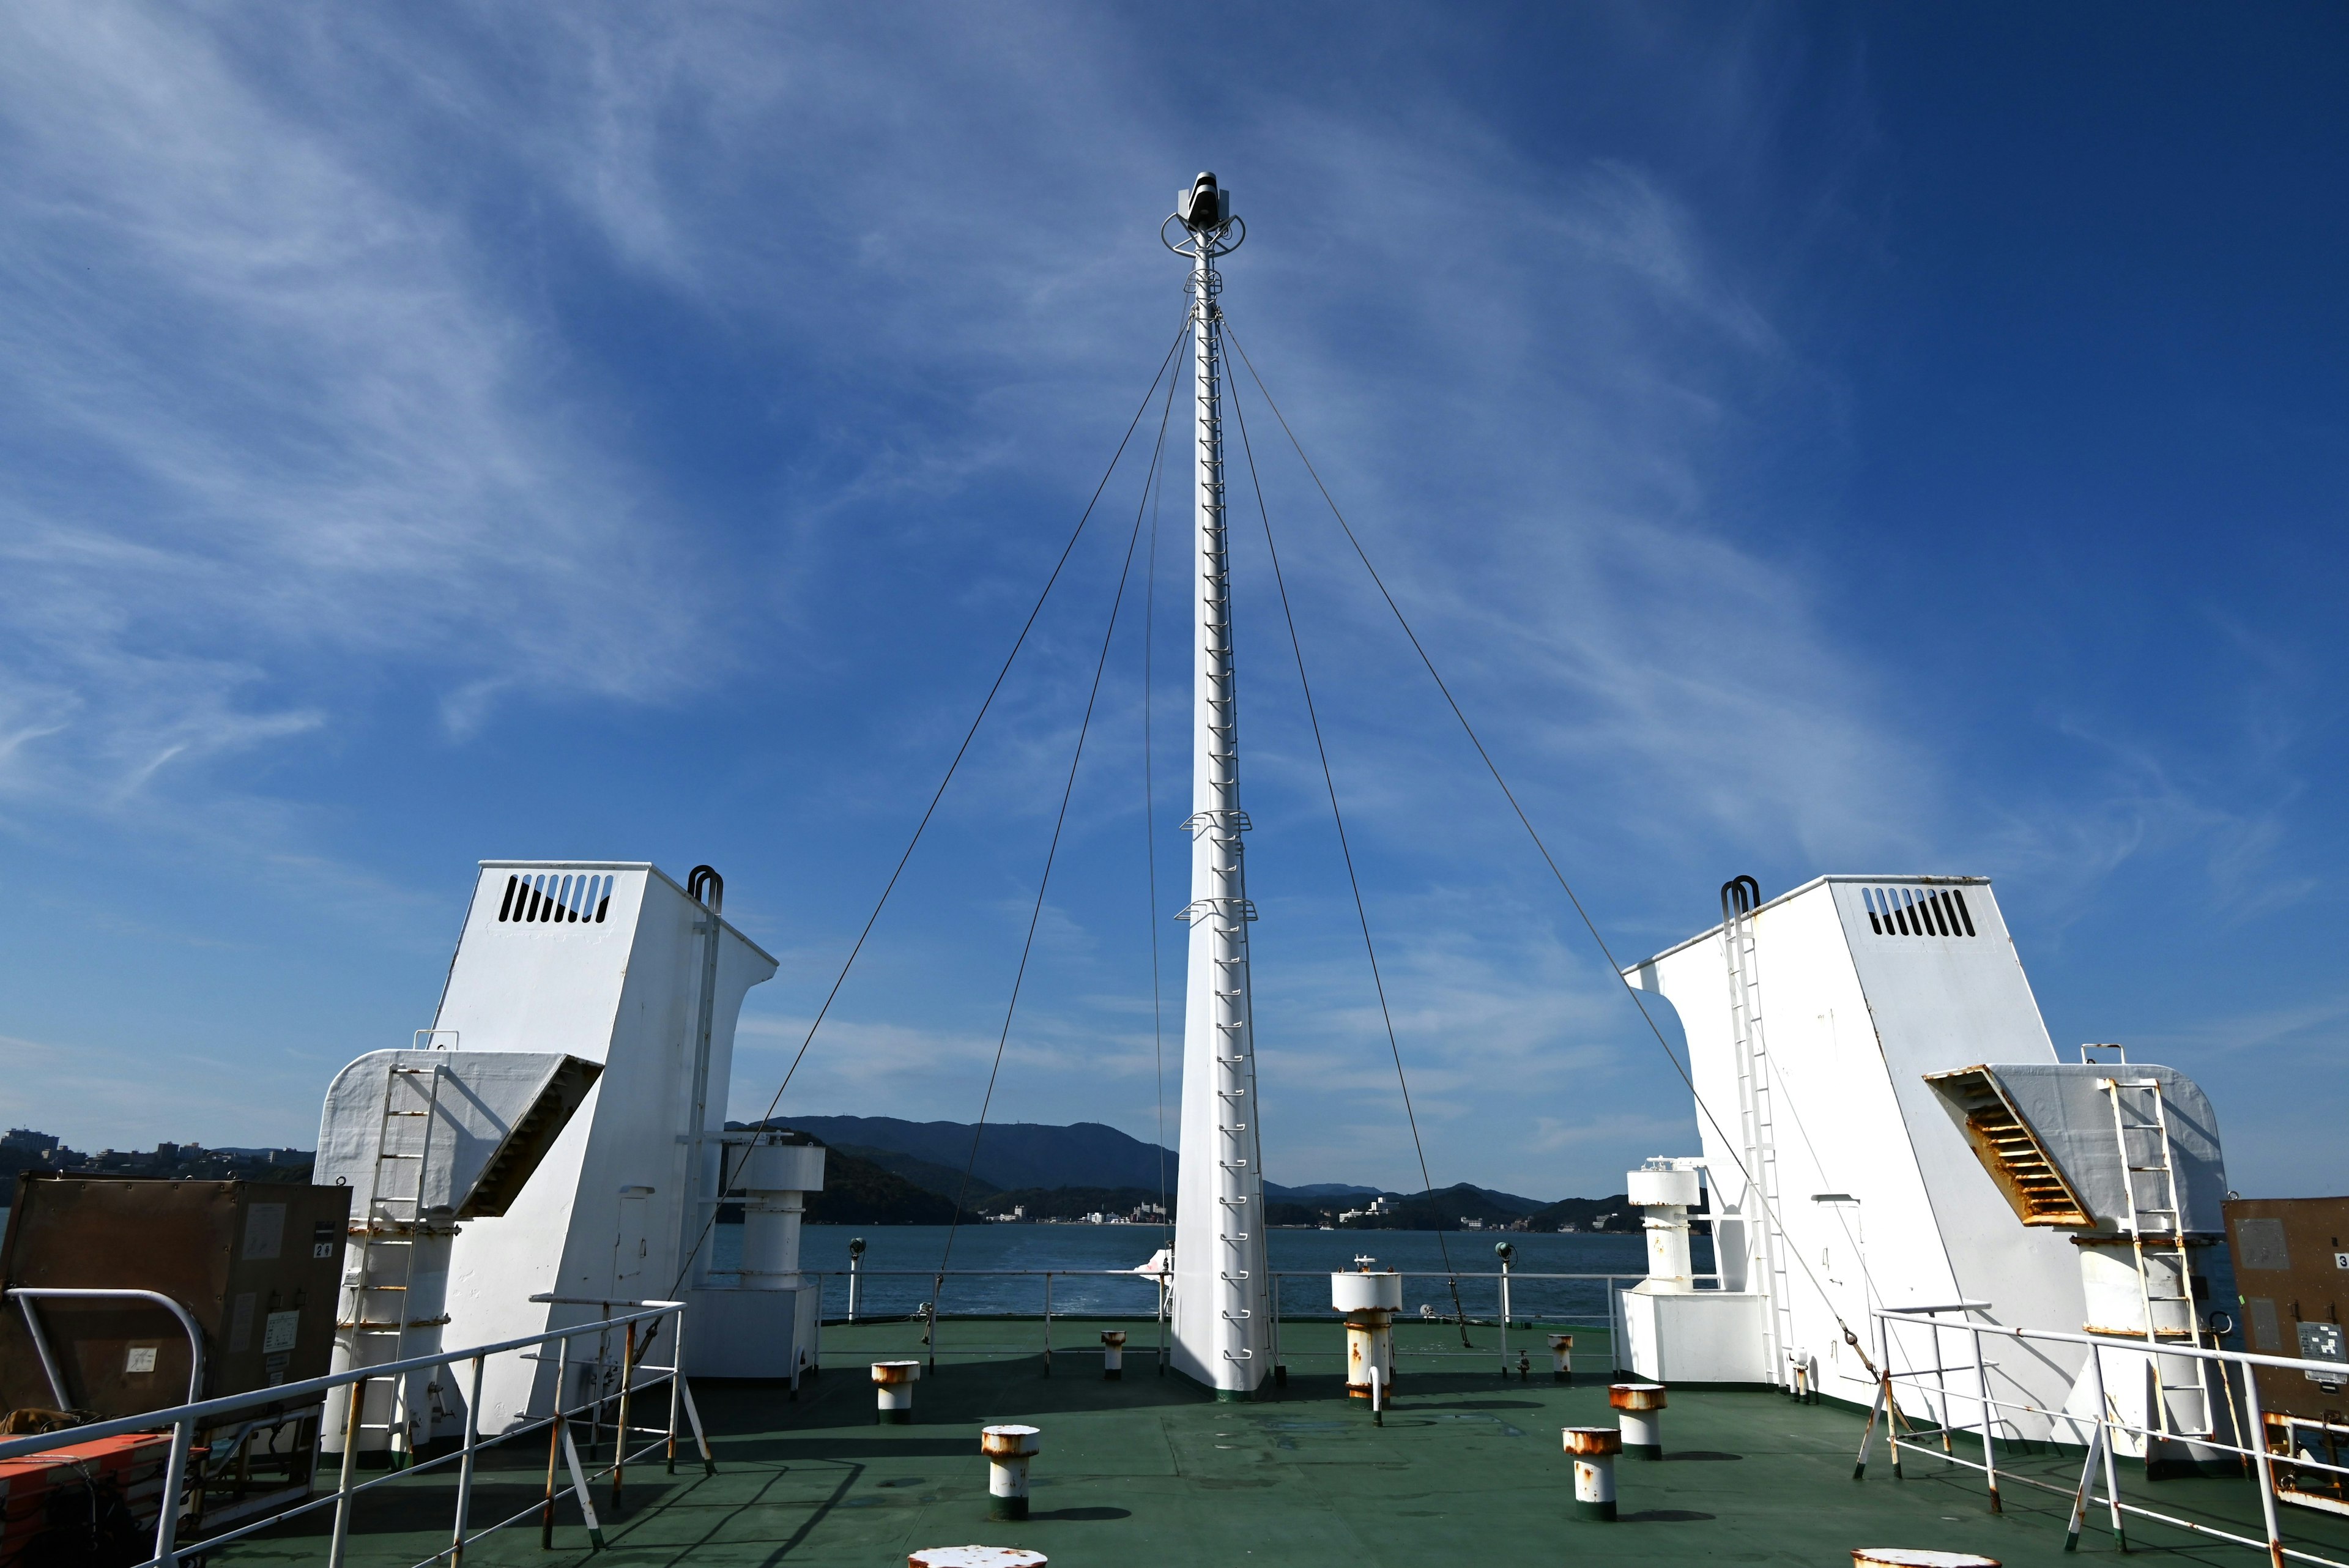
point(1918, 912)
point(555, 895)
point(2012, 1152)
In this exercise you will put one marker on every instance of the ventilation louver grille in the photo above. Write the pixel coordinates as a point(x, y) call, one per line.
point(556, 896)
point(2010, 1151)
point(1918, 912)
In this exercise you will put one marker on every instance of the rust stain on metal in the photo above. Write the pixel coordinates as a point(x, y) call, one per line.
point(1636, 1395)
point(2010, 1150)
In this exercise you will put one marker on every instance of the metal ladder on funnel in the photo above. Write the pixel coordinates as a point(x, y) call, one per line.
point(377, 1218)
point(1738, 898)
point(2138, 1107)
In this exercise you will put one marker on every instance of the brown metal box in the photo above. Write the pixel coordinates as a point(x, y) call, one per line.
point(2292, 1271)
point(258, 1265)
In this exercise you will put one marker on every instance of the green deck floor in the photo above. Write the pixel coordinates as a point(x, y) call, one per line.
point(1467, 1469)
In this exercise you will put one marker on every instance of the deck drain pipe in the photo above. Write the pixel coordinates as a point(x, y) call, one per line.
point(1640, 1406)
point(892, 1382)
point(1113, 1354)
point(1593, 1450)
point(1561, 1357)
point(1007, 1451)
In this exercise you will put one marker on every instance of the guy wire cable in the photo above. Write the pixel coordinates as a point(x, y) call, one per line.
point(1043, 886)
point(1150, 823)
point(1752, 1184)
point(725, 1177)
point(1328, 783)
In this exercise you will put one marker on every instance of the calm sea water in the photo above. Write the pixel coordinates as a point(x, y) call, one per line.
point(901, 1262)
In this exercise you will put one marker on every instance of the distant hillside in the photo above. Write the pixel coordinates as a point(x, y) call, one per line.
point(1614, 1213)
point(1011, 1155)
point(859, 1192)
point(1443, 1210)
point(946, 1181)
point(1319, 1189)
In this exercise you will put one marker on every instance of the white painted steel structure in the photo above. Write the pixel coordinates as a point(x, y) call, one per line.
point(424, 1139)
point(615, 963)
point(1222, 1310)
point(1873, 983)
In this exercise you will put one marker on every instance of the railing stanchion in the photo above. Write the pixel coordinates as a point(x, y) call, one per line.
point(620, 1431)
point(1048, 1323)
point(553, 1445)
point(2265, 1464)
point(352, 1405)
point(2105, 1423)
point(1277, 1364)
point(465, 1467)
point(676, 1381)
point(175, 1477)
point(1505, 1317)
point(1990, 1456)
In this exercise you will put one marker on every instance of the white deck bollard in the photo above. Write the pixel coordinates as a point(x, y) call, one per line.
point(1640, 1406)
point(893, 1383)
point(1007, 1451)
point(1561, 1357)
point(1113, 1354)
point(1909, 1557)
point(1593, 1450)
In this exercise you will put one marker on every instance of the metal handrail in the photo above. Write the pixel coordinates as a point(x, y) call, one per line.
point(186, 1418)
point(175, 1468)
point(2103, 1421)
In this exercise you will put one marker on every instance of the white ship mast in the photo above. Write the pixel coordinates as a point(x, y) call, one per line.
point(1222, 1296)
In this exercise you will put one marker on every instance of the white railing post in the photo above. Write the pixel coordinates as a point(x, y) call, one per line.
point(2266, 1464)
point(1505, 1317)
point(175, 1474)
point(675, 1380)
point(2106, 1423)
point(1990, 1458)
point(554, 1443)
point(352, 1406)
point(465, 1467)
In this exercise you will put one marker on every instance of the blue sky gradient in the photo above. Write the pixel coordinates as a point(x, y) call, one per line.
point(1812, 439)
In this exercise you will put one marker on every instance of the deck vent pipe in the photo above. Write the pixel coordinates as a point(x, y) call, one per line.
point(1113, 1354)
point(1369, 1297)
point(1007, 1451)
point(1640, 1407)
point(1561, 1357)
point(894, 1384)
point(1593, 1450)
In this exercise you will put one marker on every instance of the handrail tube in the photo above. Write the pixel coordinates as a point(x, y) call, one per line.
point(183, 1432)
point(2244, 1358)
point(2103, 1421)
point(288, 1393)
point(26, 1294)
point(212, 1542)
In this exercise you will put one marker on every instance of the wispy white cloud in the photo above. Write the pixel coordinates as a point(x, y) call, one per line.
point(276, 422)
point(313, 395)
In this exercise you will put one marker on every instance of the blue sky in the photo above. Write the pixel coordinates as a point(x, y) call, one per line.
point(1812, 439)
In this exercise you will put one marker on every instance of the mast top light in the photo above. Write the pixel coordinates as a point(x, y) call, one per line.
point(1205, 206)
